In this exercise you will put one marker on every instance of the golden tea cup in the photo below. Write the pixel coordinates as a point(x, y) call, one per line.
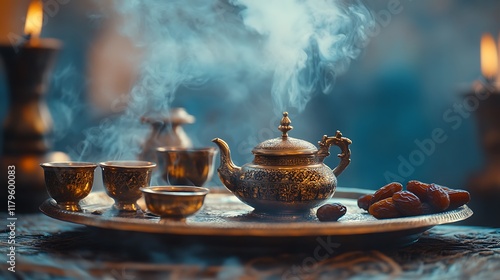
point(174, 202)
point(186, 166)
point(68, 182)
point(123, 180)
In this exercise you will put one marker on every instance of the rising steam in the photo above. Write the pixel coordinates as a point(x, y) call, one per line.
point(302, 45)
point(306, 44)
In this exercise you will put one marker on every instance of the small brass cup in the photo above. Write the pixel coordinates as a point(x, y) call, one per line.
point(186, 166)
point(174, 202)
point(123, 180)
point(68, 182)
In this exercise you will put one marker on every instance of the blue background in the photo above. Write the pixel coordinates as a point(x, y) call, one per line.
point(414, 69)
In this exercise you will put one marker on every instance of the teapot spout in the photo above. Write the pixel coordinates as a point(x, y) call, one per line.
point(228, 171)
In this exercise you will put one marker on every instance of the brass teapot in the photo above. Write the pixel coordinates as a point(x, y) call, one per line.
point(287, 175)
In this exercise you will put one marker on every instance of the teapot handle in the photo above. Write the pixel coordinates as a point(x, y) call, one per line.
point(343, 143)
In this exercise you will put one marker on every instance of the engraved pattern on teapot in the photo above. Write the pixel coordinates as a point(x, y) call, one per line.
point(287, 174)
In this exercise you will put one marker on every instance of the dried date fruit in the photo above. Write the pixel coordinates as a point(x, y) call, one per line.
point(407, 203)
point(364, 201)
point(384, 209)
point(391, 201)
point(331, 212)
point(427, 208)
point(386, 191)
point(457, 198)
point(443, 187)
point(438, 198)
point(418, 188)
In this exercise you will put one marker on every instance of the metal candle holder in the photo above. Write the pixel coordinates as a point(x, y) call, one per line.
point(484, 185)
point(28, 123)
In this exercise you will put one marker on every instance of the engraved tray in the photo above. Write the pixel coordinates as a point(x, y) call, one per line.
point(223, 215)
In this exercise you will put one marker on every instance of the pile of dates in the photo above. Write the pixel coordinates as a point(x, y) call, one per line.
point(391, 201)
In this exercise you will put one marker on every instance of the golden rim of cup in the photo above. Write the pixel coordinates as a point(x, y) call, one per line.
point(176, 190)
point(127, 164)
point(70, 164)
point(175, 149)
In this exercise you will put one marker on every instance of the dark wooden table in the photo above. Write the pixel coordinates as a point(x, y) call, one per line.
point(47, 248)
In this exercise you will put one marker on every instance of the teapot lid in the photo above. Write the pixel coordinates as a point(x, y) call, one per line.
point(284, 145)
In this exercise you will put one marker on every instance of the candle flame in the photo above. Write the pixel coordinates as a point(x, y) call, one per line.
point(34, 19)
point(489, 56)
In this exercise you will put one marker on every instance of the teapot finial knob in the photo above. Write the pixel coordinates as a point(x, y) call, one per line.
point(285, 125)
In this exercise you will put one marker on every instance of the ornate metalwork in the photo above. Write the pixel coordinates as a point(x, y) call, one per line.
point(285, 160)
point(223, 215)
point(123, 181)
point(285, 125)
point(343, 143)
point(69, 182)
point(287, 175)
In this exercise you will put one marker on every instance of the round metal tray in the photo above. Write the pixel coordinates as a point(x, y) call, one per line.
point(224, 215)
